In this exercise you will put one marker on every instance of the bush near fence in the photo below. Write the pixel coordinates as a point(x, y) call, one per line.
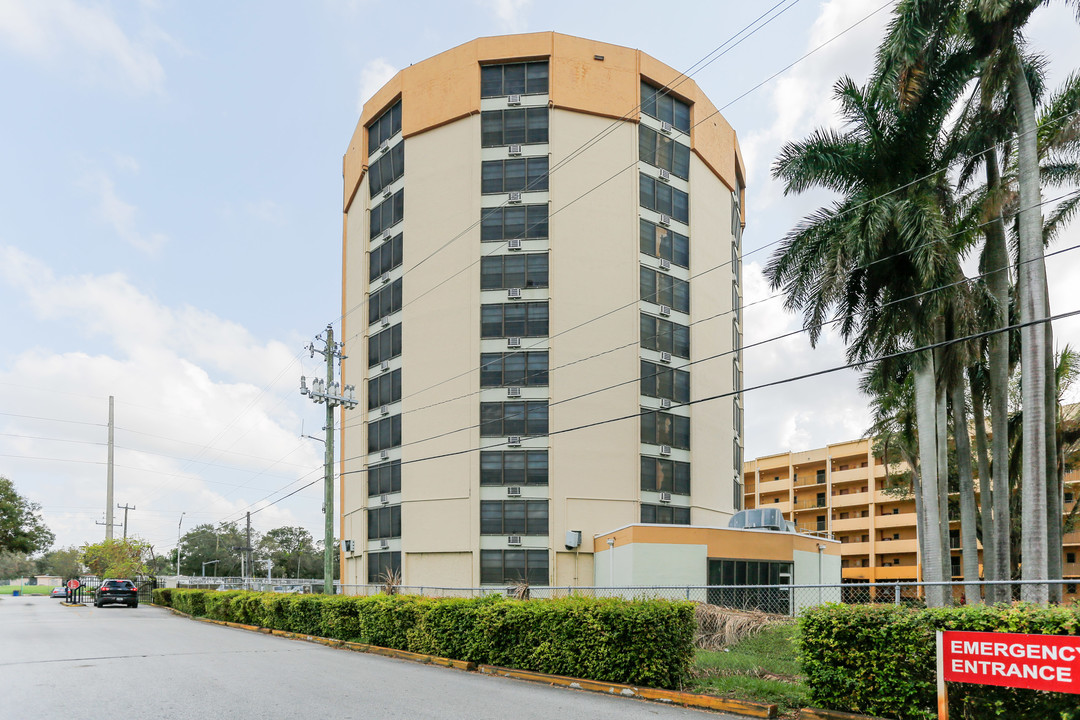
point(880, 660)
point(641, 642)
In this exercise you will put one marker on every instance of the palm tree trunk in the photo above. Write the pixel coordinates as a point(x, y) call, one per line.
point(1031, 291)
point(986, 495)
point(941, 411)
point(1054, 487)
point(920, 518)
point(968, 542)
point(926, 417)
point(996, 264)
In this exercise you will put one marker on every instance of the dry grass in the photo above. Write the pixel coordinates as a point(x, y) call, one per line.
point(390, 580)
point(719, 627)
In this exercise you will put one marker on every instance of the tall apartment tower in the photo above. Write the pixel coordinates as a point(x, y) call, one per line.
point(540, 299)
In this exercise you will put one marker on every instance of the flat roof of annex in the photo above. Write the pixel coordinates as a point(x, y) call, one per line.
point(446, 87)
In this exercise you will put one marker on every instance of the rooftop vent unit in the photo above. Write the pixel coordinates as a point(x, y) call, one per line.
point(759, 518)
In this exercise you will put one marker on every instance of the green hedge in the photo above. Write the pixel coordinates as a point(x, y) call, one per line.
point(880, 660)
point(647, 642)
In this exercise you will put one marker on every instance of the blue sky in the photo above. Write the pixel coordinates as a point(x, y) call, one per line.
point(170, 227)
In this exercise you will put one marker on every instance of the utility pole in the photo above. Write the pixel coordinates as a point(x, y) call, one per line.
point(109, 479)
point(125, 507)
point(178, 543)
point(250, 557)
point(330, 393)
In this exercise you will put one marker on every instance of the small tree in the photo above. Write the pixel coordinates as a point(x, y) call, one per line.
point(21, 528)
point(66, 563)
point(116, 558)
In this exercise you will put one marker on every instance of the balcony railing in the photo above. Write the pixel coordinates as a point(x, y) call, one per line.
point(813, 479)
point(811, 503)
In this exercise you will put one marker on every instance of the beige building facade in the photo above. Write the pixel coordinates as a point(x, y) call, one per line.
point(540, 308)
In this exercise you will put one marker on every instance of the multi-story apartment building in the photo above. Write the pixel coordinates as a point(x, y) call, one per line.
point(541, 277)
point(843, 490)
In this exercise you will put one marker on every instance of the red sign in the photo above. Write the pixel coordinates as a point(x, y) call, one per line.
point(1039, 662)
point(73, 584)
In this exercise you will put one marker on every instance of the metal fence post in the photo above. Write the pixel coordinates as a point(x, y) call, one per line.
point(896, 593)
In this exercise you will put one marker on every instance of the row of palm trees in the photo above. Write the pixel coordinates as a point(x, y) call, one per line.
point(954, 90)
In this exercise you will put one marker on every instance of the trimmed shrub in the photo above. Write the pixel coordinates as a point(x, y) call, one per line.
point(880, 660)
point(647, 642)
point(163, 596)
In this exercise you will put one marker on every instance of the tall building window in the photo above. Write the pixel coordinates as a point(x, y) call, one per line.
point(657, 195)
point(384, 345)
point(386, 169)
point(665, 336)
point(526, 78)
point(384, 434)
point(385, 301)
point(527, 319)
point(384, 522)
point(516, 174)
point(517, 126)
point(660, 104)
point(662, 475)
point(511, 566)
point(385, 478)
point(381, 565)
point(498, 272)
point(737, 494)
point(513, 418)
point(661, 151)
point(385, 257)
point(384, 389)
point(662, 289)
point(662, 242)
point(665, 514)
point(514, 467)
point(507, 223)
point(659, 428)
point(388, 213)
point(513, 517)
point(384, 127)
point(662, 381)
point(511, 369)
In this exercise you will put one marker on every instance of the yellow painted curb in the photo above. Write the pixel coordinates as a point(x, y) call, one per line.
point(709, 702)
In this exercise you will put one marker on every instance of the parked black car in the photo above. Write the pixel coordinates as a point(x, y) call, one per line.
point(117, 591)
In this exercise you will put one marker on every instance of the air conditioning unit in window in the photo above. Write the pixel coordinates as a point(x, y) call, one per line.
point(665, 127)
point(384, 410)
point(665, 220)
point(665, 264)
point(387, 193)
point(513, 491)
point(513, 293)
point(514, 150)
point(665, 497)
point(665, 175)
point(385, 236)
point(665, 357)
point(665, 404)
point(513, 342)
point(514, 244)
point(513, 99)
point(665, 449)
point(514, 197)
point(513, 441)
point(384, 147)
point(384, 499)
point(513, 540)
point(384, 544)
point(386, 321)
point(665, 310)
point(513, 392)
point(348, 546)
point(384, 454)
point(384, 365)
point(385, 278)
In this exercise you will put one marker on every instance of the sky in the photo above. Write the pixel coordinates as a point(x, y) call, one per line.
point(170, 226)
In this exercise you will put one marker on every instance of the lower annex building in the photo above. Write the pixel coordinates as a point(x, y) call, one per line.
point(541, 277)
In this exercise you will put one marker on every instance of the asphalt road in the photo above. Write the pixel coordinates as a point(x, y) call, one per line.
point(119, 662)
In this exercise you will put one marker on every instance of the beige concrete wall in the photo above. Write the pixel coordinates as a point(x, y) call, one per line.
point(594, 270)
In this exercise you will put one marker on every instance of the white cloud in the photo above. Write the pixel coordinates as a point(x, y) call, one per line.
point(121, 215)
point(510, 13)
point(373, 76)
point(81, 38)
point(195, 430)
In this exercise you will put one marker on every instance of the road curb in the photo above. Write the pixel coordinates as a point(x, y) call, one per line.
point(820, 714)
point(673, 697)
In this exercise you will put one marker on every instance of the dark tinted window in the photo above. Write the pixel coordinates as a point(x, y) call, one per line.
point(514, 79)
point(519, 221)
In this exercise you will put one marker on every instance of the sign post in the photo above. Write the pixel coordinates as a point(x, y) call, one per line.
point(1036, 662)
point(72, 586)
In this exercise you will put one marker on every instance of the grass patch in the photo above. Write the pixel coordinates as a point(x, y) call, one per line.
point(762, 668)
point(26, 589)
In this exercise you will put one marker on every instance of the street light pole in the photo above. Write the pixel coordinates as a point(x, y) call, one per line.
point(209, 562)
point(178, 543)
point(332, 394)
